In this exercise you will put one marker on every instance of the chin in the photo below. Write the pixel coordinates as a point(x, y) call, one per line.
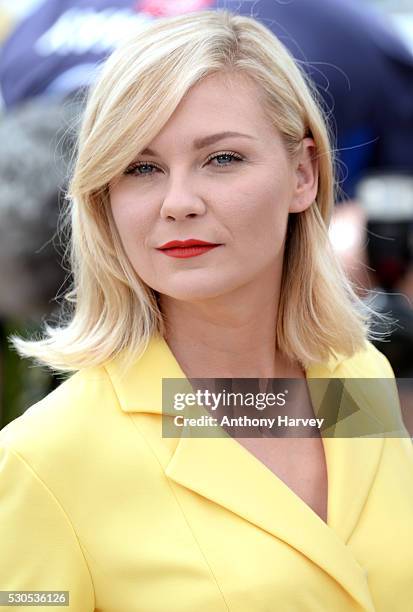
point(197, 290)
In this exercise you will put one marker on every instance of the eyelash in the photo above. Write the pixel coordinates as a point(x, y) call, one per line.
point(131, 169)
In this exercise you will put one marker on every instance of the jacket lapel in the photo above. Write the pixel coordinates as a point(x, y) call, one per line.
point(368, 405)
point(223, 471)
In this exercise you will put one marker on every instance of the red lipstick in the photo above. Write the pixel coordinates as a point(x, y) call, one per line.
point(186, 248)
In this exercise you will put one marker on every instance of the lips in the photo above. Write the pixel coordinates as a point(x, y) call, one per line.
point(186, 243)
point(187, 248)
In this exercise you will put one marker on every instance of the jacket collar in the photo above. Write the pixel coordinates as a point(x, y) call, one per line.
point(207, 466)
point(140, 388)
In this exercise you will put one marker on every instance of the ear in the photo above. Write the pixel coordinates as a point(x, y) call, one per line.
point(306, 176)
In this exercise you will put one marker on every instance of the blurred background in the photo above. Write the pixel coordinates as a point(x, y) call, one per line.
point(359, 55)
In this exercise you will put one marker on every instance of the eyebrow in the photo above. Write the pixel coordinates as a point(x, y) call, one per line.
point(200, 143)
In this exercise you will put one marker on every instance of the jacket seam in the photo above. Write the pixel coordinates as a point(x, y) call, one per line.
point(182, 511)
point(62, 510)
point(173, 493)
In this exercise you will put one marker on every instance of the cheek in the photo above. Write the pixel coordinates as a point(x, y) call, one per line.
point(260, 214)
point(131, 217)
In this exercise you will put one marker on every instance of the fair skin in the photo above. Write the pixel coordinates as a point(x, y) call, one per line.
point(220, 307)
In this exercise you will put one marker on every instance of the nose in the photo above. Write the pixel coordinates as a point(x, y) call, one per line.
point(181, 201)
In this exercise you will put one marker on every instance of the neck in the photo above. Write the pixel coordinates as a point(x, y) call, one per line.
point(232, 336)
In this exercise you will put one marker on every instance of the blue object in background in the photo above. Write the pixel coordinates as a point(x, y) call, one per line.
point(361, 68)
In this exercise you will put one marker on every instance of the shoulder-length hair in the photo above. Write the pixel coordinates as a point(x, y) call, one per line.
point(109, 310)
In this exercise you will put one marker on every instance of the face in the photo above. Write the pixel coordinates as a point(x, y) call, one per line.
point(217, 172)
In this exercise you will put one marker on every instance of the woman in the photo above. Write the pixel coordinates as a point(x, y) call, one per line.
point(199, 209)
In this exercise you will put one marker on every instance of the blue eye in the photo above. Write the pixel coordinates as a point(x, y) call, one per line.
point(229, 155)
point(135, 168)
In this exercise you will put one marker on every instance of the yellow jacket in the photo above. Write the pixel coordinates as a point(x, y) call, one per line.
point(94, 501)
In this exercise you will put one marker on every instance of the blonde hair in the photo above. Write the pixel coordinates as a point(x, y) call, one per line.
point(111, 310)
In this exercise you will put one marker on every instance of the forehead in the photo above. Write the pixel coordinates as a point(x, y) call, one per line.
point(221, 101)
point(225, 83)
